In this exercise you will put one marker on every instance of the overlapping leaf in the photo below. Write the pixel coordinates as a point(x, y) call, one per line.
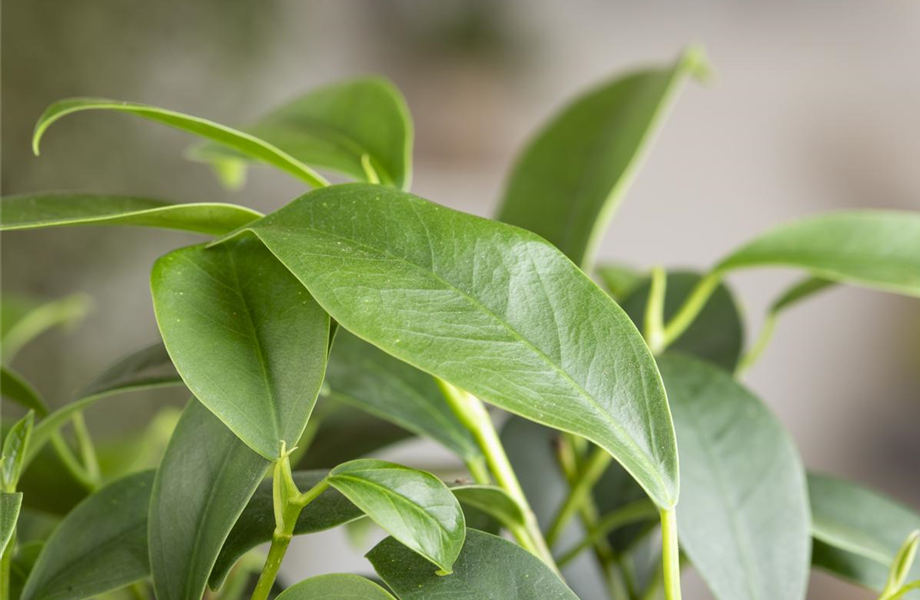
point(337, 586)
point(10, 502)
point(21, 391)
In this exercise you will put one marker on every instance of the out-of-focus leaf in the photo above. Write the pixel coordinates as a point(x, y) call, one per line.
point(570, 178)
point(244, 143)
point(248, 339)
point(35, 211)
point(366, 377)
point(204, 482)
point(619, 280)
point(413, 506)
point(23, 319)
point(16, 444)
point(488, 308)
point(20, 391)
point(744, 492)
point(10, 502)
point(341, 127)
point(23, 563)
point(99, 547)
point(337, 587)
point(491, 500)
point(489, 568)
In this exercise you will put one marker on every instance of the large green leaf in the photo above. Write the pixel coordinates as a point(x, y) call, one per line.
point(569, 180)
point(364, 376)
point(9, 515)
point(257, 521)
point(247, 338)
point(857, 531)
point(22, 319)
point(744, 492)
point(34, 211)
point(204, 482)
point(339, 127)
point(876, 249)
point(20, 391)
point(244, 143)
point(99, 547)
point(717, 333)
point(335, 587)
point(490, 308)
point(413, 506)
point(489, 568)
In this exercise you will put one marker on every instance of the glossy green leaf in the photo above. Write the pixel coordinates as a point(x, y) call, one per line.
point(204, 482)
point(413, 506)
point(244, 143)
point(491, 500)
point(619, 280)
point(257, 521)
point(20, 391)
point(23, 319)
point(875, 249)
point(571, 177)
point(247, 338)
point(335, 587)
point(364, 376)
point(489, 568)
point(99, 547)
point(16, 443)
point(10, 502)
point(334, 127)
point(490, 308)
point(35, 211)
point(744, 492)
point(717, 333)
point(858, 531)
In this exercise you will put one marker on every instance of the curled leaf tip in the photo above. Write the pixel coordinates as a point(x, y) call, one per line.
point(695, 62)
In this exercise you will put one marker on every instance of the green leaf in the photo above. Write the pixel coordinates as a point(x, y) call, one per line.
point(903, 560)
point(717, 333)
point(35, 211)
point(15, 446)
point(368, 378)
point(21, 392)
point(489, 568)
point(798, 292)
point(9, 515)
point(99, 547)
point(744, 493)
point(570, 179)
point(619, 280)
point(875, 249)
point(257, 521)
point(23, 319)
point(244, 143)
point(247, 338)
point(413, 506)
point(204, 482)
point(857, 531)
point(490, 308)
point(334, 127)
point(335, 586)
point(493, 501)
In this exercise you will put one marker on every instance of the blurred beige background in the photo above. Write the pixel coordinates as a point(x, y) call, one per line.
point(815, 107)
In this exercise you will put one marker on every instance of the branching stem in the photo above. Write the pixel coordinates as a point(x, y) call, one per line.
point(590, 472)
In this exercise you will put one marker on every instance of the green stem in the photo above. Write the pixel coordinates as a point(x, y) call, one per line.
point(587, 478)
point(87, 450)
point(479, 470)
point(763, 339)
point(474, 416)
point(634, 512)
point(913, 585)
point(670, 554)
point(690, 309)
point(6, 562)
point(653, 328)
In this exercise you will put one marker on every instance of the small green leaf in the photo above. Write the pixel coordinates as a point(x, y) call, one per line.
point(20, 391)
point(875, 249)
point(248, 339)
point(35, 211)
point(10, 502)
point(99, 547)
point(413, 506)
point(333, 127)
point(798, 292)
point(488, 568)
point(257, 521)
point(16, 445)
point(24, 319)
point(717, 333)
point(489, 308)
point(570, 179)
point(366, 377)
point(619, 280)
point(857, 531)
point(744, 493)
point(204, 482)
point(903, 561)
point(337, 587)
point(244, 143)
point(493, 501)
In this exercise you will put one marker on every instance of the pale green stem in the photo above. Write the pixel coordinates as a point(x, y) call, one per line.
point(87, 450)
point(579, 492)
point(653, 328)
point(479, 470)
point(634, 512)
point(753, 355)
point(473, 414)
point(369, 170)
point(670, 554)
point(6, 562)
point(913, 585)
point(690, 309)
